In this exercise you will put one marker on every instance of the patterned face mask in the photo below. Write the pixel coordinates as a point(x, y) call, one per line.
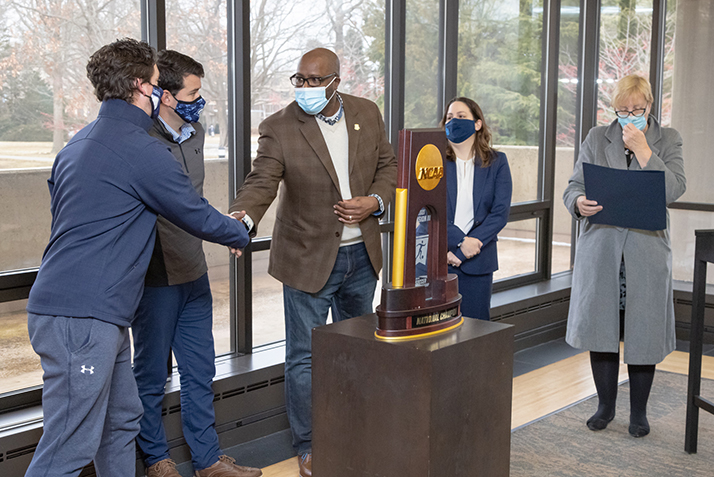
point(190, 111)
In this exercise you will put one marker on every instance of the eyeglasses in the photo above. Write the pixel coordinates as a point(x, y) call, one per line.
point(312, 81)
point(638, 113)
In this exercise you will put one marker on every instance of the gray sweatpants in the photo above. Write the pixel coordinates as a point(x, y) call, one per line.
point(90, 403)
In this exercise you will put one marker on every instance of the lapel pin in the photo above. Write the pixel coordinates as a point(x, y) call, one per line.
point(356, 127)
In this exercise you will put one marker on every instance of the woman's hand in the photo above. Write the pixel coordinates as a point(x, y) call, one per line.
point(470, 247)
point(636, 142)
point(587, 207)
point(452, 259)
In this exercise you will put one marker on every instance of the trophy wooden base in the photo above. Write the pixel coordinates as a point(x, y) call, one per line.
point(421, 332)
point(438, 406)
point(407, 312)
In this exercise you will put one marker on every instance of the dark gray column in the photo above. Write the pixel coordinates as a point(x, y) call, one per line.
point(153, 23)
point(239, 165)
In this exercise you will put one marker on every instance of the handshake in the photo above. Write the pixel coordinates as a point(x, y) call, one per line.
point(238, 216)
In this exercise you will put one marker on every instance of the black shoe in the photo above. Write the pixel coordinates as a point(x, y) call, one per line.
point(598, 423)
point(639, 428)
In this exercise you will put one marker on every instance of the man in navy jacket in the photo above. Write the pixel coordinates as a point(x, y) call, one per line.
point(107, 186)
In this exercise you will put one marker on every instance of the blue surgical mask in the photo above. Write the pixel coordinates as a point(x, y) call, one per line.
point(458, 130)
point(639, 122)
point(313, 100)
point(190, 111)
point(155, 98)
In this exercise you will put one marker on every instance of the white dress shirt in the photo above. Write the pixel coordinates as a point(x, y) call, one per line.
point(337, 141)
point(464, 214)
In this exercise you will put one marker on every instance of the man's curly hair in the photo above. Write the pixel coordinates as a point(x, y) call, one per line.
point(114, 68)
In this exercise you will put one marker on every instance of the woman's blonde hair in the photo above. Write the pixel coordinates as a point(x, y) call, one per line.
point(627, 87)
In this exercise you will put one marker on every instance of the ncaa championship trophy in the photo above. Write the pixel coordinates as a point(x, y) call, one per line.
point(422, 298)
point(414, 389)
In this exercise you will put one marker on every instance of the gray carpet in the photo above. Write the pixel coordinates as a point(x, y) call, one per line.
point(560, 445)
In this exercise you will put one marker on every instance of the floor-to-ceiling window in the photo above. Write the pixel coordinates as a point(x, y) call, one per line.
point(421, 63)
point(499, 66)
point(687, 106)
point(625, 43)
point(45, 98)
point(565, 134)
point(199, 29)
point(281, 32)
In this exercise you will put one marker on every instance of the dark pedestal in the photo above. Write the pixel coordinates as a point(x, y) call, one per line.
point(438, 406)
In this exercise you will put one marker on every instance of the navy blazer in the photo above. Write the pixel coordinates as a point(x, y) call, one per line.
point(492, 203)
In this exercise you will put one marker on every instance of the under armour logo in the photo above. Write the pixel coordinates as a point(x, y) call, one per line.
point(85, 369)
point(198, 151)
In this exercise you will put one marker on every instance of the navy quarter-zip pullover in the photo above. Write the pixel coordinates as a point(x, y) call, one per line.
point(107, 186)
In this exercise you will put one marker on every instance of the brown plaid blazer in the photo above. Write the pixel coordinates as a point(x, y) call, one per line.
point(291, 150)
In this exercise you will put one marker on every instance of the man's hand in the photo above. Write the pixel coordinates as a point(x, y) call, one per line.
point(587, 207)
point(238, 216)
point(452, 259)
point(356, 209)
point(636, 142)
point(470, 247)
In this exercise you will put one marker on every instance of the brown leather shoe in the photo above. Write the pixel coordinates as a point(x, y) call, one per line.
point(226, 467)
point(305, 462)
point(163, 468)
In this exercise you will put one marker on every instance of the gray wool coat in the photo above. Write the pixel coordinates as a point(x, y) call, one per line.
point(594, 316)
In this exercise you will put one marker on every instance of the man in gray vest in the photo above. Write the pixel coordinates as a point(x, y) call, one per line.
point(176, 310)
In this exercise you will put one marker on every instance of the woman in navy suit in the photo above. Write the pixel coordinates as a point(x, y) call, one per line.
point(479, 187)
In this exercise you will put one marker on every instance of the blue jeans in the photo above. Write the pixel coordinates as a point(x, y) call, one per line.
point(178, 317)
point(349, 292)
point(90, 406)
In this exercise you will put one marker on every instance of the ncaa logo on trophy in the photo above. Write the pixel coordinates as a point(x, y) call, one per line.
point(422, 298)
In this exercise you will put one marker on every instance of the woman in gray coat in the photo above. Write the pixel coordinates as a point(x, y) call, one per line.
point(622, 278)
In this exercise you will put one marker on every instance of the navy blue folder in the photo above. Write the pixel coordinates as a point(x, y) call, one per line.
point(631, 199)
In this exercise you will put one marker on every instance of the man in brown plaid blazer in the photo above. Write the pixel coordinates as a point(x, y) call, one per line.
point(338, 171)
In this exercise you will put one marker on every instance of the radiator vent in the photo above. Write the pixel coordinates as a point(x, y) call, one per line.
point(276, 380)
point(20, 451)
point(233, 392)
point(532, 308)
point(258, 385)
point(171, 410)
point(686, 302)
point(260, 416)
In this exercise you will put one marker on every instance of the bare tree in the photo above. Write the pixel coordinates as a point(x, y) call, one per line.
point(280, 32)
point(57, 37)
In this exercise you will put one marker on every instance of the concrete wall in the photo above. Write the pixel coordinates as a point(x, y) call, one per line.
point(25, 214)
point(523, 161)
point(24, 217)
